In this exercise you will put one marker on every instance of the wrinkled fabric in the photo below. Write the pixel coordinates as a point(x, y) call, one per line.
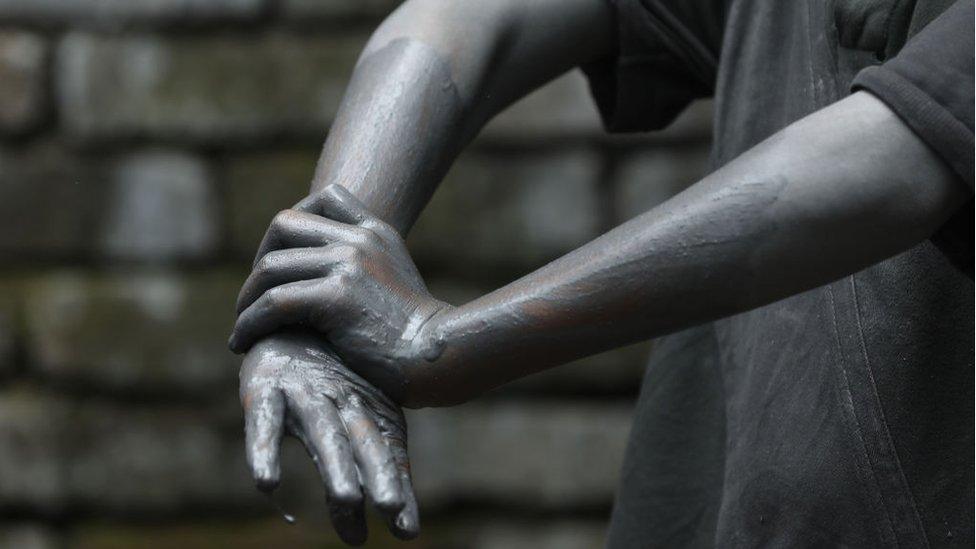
point(842, 416)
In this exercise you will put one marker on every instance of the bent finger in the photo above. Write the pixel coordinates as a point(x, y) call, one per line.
point(283, 266)
point(337, 203)
point(299, 229)
point(278, 307)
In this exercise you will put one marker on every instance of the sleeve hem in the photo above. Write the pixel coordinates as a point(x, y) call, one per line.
point(649, 80)
point(943, 132)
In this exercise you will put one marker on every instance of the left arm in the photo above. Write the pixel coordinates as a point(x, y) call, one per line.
point(832, 193)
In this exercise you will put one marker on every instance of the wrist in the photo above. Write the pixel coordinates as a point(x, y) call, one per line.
point(432, 375)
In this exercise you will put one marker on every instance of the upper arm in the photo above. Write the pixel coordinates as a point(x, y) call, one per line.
point(498, 51)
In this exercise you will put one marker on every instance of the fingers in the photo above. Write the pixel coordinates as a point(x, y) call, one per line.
point(405, 524)
point(349, 521)
point(298, 229)
point(264, 413)
point(284, 266)
point(324, 437)
point(288, 304)
point(335, 202)
point(377, 466)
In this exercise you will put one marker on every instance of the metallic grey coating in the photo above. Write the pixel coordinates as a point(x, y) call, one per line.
point(830, 194)
point(291, 383)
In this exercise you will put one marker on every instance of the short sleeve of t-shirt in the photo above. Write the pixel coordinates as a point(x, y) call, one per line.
point(666, 56)
point(929, 84)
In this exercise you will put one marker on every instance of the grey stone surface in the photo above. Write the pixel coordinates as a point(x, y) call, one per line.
point(614, 373)
point(157, 459)
point(114, 13)
point(257, 187)
point(162, 208)
point(148, 206)
point(562, 108)
point(524, 209)
point(129, 460)
point(28, 535)
point(649, 178)
point(211, 88)
point(484, 531)
point(542, 454)
point(32, 450)
point(509, 534)
point(50, 203)
point(152, 332)
point(10, 307)
point(120, 460)
point(22, 79)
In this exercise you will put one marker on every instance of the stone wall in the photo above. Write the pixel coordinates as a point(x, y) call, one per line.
point(144, 146)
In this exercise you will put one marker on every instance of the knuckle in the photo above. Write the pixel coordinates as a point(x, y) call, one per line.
point(380, 228)
point(342, 282)
point(283, 218)
point(373, 239)
point(275, 297)
point(360, 236)
point(264, 265)
point(279, 218)
point(351, 255)
point(332, 191)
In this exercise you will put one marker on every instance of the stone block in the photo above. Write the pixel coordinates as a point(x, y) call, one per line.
point(331, 10)
point(152, 333)
point(651, 177)
point(10, 326)
point(127, 461)
point(494, 533)
point(50, 203)
point(29, 535)
point(149, 205)
point(211, 88)
point(112, 14)
point(257, 187)
point(616, 372)
point(545, 454)
point(561, 108)
point(32, 450)
point(162, 208)
point(22, 80)
point(518, 210)
point(484, 531)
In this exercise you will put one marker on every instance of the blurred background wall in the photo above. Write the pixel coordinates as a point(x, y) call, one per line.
point(144, 147)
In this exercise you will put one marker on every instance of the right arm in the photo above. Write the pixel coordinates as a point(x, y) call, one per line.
point(432, 75)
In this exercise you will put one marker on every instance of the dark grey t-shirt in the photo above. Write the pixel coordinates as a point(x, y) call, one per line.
point(842, 416)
